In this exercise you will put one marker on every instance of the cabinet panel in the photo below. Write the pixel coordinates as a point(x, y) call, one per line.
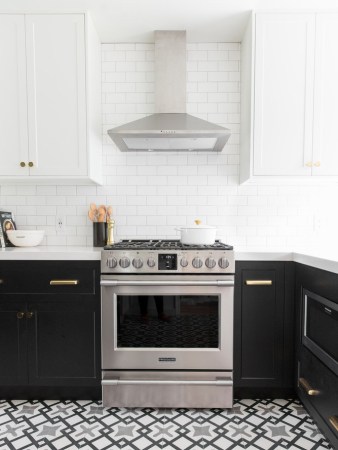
point(13, 104)
point(13, 369)
point(326, 96)
point(63, 338)
point(56, 94)
point(263, 328)
point(19, 278)
point(283, 94)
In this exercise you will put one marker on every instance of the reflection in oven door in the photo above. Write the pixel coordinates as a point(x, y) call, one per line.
point(166, 321)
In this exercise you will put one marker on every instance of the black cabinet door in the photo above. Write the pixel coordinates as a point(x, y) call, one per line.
point(261, 357)
point(63, 341)
point(13, 348)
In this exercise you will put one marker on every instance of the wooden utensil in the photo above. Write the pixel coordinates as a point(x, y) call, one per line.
point(92, 215)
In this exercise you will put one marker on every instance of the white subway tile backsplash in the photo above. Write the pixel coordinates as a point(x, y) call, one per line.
point(152, 193)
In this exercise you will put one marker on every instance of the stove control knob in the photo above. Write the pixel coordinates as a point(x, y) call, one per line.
point(184, 262)
point(151, 262)
point(124, 262)
point(223, 263)
point(197, 263)
point(210, 263)
point(137, 263)
point(111, 263)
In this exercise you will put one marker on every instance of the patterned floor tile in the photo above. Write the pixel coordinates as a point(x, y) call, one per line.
point(251, 424)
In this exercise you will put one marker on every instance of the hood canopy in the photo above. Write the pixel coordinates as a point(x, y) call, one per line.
point(170, 132)
point(170, 128)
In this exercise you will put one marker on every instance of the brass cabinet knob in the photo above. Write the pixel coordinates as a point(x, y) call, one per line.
point(29, 314)
point(23, 164)
point(31, 164)
point(317, 164)
point(309, 164)
point(20, 315)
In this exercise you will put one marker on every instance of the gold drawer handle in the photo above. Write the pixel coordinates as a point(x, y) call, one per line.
point(334, 422)
point(309, 164)
point(317, 164)
point(20, 315)
point(30, 164)
point(2, 281)
point(307, 388)
point(64, 282)
point(258, 282)
point(22, 164)
point(29, 314)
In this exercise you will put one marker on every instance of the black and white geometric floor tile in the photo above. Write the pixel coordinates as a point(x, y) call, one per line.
point(250, 424)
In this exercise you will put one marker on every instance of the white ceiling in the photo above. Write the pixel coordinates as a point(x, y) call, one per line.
point(135, 20)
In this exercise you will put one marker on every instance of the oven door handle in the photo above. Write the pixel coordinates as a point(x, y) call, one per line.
point(166, 283)
point(117, 381)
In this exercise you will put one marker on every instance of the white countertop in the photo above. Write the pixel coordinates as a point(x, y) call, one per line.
point(326, 260)
point(42, 253)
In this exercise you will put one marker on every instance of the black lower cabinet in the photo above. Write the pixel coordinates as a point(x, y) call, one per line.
point(49, 334)
point(317, 347)
point(263, 329)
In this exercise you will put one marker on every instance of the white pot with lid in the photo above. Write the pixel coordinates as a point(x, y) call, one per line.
point(197, 234)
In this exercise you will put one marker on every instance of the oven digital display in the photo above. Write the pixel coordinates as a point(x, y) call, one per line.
point(167, 261)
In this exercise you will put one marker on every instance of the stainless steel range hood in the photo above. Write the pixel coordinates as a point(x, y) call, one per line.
point(170, 128)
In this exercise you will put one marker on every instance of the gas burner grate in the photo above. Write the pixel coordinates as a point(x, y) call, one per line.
point(163, 244)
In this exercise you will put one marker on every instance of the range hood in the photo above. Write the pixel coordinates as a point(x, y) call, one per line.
point(170, 128)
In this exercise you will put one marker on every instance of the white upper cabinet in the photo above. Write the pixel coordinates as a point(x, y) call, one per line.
point(325, 121)
point(57, 97)
point(13, 100)
point(289, 96)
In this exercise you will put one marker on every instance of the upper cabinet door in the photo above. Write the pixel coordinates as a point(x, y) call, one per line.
point(325, 143)
point(56, 94)
point(13, 103)
point(283, 94)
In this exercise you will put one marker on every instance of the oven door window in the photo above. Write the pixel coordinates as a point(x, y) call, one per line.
point(166, 321)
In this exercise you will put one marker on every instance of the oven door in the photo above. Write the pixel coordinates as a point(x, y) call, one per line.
point(167, 323)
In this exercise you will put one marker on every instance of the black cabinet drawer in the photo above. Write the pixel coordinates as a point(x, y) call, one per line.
point(318, 386)
point(49, 277)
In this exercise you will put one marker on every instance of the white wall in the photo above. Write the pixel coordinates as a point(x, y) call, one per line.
point(151, 193)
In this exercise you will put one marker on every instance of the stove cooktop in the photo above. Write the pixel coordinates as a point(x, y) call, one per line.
point(163, 244)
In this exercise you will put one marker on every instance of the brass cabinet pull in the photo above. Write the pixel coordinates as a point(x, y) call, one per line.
point(31, 164)
point(22, 164)
point(309, 164)
point(334, 422)
point(2, 281)
point(64, 282)
point(258, 282)
point(20, 315)
point(317, 164)
point(29, 314)
point(307, 388)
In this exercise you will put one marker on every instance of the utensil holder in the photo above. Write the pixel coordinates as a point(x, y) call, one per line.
point(99, 234)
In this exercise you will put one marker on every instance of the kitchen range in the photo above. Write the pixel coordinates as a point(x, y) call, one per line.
point(167, 324)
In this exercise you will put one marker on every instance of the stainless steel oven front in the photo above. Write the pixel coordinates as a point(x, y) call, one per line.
point(167, 322)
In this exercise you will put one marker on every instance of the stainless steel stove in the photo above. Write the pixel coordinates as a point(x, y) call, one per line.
point(167, 256)
point(167, 324)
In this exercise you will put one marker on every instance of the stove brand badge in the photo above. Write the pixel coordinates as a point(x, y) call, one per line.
point(166, 359)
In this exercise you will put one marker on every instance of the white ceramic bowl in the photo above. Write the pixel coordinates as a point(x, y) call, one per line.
point(25, 238)
point(198, 235)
